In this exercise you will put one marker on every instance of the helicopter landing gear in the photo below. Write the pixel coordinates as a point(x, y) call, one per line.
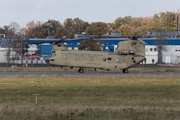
point(81, 70)
point(47, 60)
point(125, 71)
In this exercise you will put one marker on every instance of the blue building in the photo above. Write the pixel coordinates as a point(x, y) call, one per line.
point(108, 44)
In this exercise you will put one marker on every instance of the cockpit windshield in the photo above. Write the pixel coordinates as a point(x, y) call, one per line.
point(53, 52)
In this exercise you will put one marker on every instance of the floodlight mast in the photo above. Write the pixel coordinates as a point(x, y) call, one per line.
point(178, 23)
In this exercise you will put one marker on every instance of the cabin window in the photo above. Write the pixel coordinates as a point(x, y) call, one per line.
point(78, 57)
point(155, 49)
point(59, 45)
point(52, 59)
point(54, 55)
point(150, 49)
point(64, 57)
point(91, 58)
point(109, 58)
point(104, 59)
point(117, 59)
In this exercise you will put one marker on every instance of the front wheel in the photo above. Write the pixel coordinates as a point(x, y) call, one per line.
point(125, 71)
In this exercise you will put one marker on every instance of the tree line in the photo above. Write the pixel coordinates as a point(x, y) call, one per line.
point(128, 26)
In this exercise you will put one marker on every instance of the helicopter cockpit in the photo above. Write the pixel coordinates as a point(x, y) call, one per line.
point(51, 57)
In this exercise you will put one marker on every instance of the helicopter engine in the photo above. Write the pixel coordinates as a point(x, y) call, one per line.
point(125, 52)
point(131, 47)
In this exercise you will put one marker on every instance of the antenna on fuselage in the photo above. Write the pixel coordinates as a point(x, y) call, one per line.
point(133, 38)
point(178, 22)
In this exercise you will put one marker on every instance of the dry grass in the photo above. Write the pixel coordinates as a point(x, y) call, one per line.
point(90, 97)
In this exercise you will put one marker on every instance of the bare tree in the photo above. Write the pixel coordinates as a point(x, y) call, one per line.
point(15, 40)
point(19, 45)
point(15, 26)
point(8, 41)
point(160, 42)
point(8, 44)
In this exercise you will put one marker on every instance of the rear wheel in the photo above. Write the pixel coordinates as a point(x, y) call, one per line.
point(81, 70)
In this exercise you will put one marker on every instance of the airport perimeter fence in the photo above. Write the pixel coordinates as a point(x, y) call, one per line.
point(13, 65)
point(25, 63)
point(42, 63)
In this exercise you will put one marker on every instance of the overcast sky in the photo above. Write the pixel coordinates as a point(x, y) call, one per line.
point(23, 11)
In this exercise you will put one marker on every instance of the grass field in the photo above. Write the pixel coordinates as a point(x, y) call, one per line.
point(90, 98)
point(65, 69)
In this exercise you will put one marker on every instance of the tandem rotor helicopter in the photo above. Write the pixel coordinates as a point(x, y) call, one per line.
point(127, 54)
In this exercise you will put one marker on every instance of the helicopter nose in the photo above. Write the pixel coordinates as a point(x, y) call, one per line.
point(47, 60)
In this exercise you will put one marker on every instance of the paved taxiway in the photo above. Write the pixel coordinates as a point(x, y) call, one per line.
point(85, 74)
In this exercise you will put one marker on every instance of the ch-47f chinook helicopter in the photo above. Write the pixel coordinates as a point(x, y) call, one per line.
point(127, 54)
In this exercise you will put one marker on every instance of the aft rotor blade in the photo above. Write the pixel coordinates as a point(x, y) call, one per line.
point(41, 41)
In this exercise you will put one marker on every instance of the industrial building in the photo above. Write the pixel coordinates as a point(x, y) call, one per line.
point(170, 52)
point(13, 57)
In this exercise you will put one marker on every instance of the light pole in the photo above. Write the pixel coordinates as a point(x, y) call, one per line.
point(178, 22)
point(36, 96)
point(49, 26)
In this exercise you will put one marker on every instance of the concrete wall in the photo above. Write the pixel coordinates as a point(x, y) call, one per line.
point(3, 54)
point(170, 54)
point(151, 54)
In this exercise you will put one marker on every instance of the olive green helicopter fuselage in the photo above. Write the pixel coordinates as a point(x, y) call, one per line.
point(127, 54)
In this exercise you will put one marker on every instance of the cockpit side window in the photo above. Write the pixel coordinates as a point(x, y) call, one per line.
point(53, 52)
point(117, 47)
